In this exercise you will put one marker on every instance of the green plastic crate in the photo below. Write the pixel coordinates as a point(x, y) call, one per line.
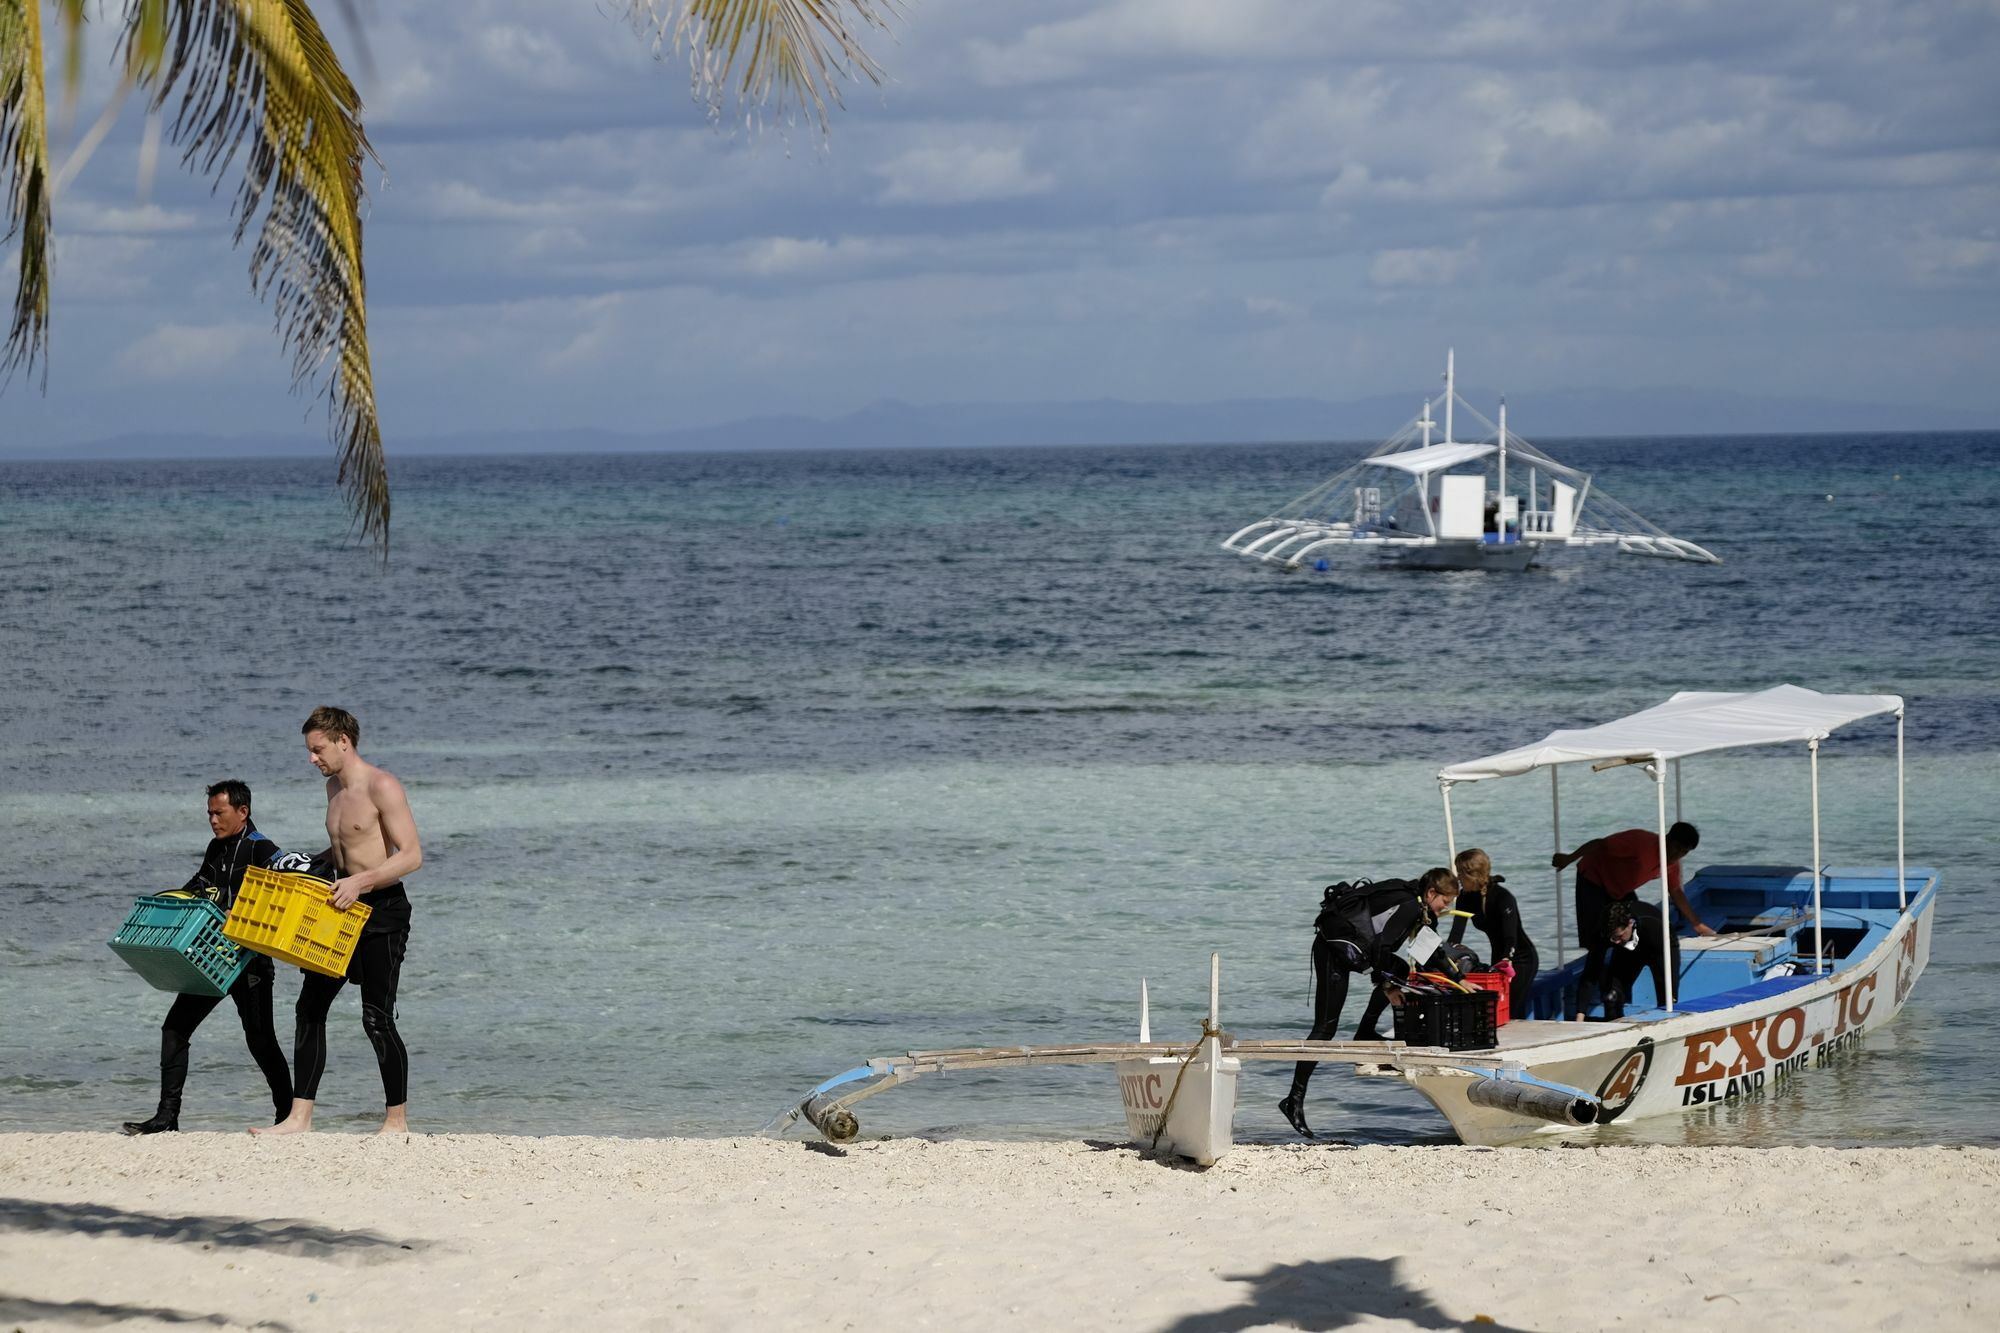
point(177, 945)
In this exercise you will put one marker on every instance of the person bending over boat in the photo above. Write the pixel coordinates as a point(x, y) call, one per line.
point(1496, 913)
point(373, 845)
point(1361, 928)
point(235, 847)
point(1633, 931)
point(1611, 868)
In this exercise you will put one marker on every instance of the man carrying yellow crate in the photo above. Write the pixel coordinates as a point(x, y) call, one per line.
point(373, 845)
point(236, 846)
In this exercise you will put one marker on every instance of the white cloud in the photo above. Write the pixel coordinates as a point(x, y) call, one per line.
point(960, 174)
point(145, 219)
point(1426, 267)
point(1273, 308)
point(1936, 259)
point(187, 351)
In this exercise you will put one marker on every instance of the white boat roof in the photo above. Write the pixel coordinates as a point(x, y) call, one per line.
point(1432, 458)
point(1692, 722)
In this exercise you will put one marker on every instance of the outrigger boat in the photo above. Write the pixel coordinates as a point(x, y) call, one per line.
point(1807, 961)
point(1426, 503)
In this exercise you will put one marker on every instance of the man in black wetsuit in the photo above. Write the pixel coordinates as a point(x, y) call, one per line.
point(1363, 931)
point(372, 845)
point(236, 846)
point(1634, 948)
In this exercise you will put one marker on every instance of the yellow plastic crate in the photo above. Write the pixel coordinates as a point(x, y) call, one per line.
point(289, 917)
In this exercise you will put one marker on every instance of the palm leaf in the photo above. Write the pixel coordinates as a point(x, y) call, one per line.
point(260, 75)
point(24, 167)
point(795, 49)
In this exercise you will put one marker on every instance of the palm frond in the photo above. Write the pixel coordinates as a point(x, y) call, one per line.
point(261, 74)
point(795, 49)
point(24, 167)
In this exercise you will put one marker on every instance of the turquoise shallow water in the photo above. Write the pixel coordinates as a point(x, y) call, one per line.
point(733, 771)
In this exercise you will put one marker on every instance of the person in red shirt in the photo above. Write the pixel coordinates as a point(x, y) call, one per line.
point(1611, 869)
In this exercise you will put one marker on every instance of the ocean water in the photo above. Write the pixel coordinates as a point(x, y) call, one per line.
point(733, 771)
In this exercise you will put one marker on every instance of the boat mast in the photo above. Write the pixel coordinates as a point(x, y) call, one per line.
point(1450, 392)
point(1502, 497)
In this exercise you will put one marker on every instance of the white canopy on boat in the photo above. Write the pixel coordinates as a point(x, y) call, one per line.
point(1691, 722)
point(1432, 458)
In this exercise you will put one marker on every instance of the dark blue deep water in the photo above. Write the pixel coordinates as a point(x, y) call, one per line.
point(734, 770)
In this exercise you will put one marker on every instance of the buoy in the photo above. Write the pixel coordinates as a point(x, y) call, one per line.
point(1829, 497)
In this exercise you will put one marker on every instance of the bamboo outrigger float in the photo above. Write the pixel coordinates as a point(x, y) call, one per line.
point(1808, 960)
point(1426, 503)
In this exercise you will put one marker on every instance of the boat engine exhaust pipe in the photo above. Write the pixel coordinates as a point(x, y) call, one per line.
point(1559, 1108)
point(831, 1119)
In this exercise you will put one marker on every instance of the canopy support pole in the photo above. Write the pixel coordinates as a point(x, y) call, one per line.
point(1556, 822)
point(1659, 768)
point(1678, 816)
point(1819, 945)
point(1902, 885)
point(1450, 838)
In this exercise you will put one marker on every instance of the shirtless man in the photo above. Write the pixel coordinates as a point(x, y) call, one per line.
point(373, 846)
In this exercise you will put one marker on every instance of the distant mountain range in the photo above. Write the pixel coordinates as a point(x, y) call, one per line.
point(1560, 414)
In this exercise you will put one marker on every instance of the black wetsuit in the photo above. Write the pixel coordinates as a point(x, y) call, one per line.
point(1498, 915)
point(219, 879)
point(1396, 909)
point(375, 968)
point(1622, 965)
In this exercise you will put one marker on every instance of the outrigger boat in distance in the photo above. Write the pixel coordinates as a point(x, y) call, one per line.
point(1807, 961)
point(1425, 503)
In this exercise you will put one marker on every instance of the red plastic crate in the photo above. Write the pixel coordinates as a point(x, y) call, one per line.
point(1495, 982)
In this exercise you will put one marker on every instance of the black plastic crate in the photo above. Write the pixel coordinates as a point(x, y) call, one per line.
point(1455, 1021)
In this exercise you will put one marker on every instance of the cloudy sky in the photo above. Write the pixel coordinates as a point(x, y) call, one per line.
point(1167, 200)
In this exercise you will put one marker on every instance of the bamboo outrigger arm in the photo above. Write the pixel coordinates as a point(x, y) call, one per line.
point(830, 1111)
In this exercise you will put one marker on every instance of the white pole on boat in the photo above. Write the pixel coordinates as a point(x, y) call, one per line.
point(1503, 466)
point(1450, 392)
point(1677, 793)
point(1450, 838)
point(1534, 484)
point(1819, 947)
point(1145, 1014)
point(1214, 991)
point(1659, 767)
point(1426, 423)
point(1556, 819)
point(1902, 885)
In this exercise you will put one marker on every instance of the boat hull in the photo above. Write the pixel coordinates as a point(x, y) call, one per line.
point(1689, 1061)
point(1183, 1107)
point(1510, 558)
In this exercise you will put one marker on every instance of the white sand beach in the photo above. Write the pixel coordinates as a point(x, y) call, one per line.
point(347, 1232)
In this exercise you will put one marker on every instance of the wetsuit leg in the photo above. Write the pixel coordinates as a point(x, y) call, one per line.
point(316, 994)
point(1330, 995)
point(1522, 992)
point(252, 993)
point(378, 965)
point(184, 1015)
point(1592, 903)
point(1369, 1028)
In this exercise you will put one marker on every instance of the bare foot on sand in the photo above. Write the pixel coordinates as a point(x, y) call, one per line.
point(396, 1120)
point(300, 1121)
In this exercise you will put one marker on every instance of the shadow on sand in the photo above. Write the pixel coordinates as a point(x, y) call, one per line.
point(1328, 1294)
point(302, 1239)
point(15, 1310)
